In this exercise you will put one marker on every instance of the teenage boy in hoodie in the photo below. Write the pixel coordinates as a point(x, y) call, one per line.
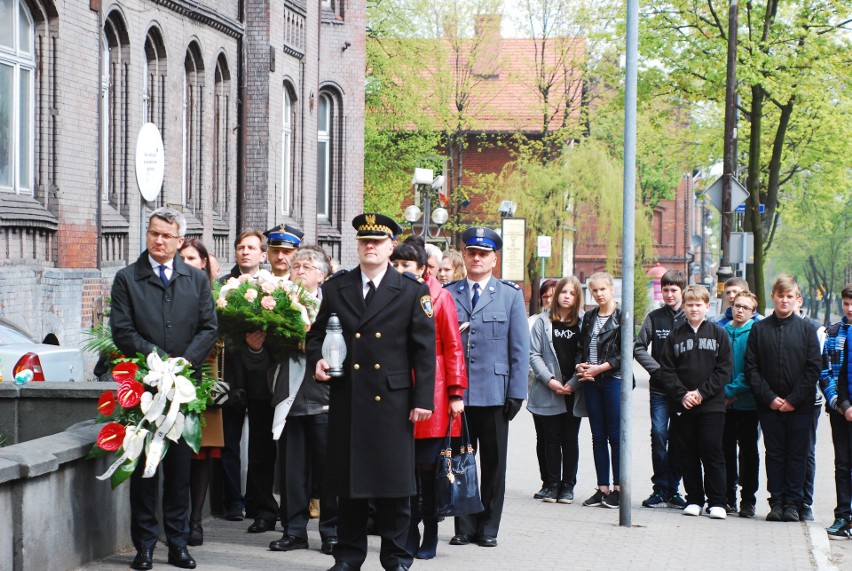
point(741, 412)
point(733, 287)
point(834, 354)
point(782, 364)
point(695, 365)
point(655, 329)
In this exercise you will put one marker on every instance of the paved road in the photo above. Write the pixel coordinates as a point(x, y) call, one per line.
point(535, 535)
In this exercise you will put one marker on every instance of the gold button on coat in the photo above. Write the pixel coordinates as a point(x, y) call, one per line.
point(378, 398)
point(356, 366)
point(357, 336)
point(378, 335)
point(377, 366)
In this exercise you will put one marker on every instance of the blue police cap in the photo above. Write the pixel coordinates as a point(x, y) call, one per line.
point(284, 236)
point(481, 238)
point(373, 226)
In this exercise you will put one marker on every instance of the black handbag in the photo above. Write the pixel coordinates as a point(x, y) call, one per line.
point(456, 483)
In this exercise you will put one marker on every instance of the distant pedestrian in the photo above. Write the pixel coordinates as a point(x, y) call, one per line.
point(782, 365)
point(555, 399)
point(598, 368)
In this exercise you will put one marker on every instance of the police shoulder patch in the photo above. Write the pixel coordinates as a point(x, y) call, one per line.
point(336, 274)
point(511, 284)
point(450, 284)
point(426, 305)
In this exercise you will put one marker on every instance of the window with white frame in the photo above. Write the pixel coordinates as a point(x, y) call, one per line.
point(192, 122)
point(286, 151)
point(221, 129)
point(324, 152)
point(17, 71)
point(115, 105)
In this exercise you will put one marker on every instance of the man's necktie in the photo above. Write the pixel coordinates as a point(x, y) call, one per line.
point(475, 296)
point(371, 291)
point(163, 277)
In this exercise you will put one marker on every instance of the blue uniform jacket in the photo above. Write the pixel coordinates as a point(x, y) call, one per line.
point(496, 342)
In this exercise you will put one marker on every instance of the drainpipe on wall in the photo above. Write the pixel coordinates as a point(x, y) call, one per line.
point(241, 125)
point(100, 106)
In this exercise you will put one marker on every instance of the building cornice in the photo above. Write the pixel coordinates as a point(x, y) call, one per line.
point(205, 15)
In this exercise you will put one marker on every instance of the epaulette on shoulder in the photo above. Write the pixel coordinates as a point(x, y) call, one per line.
point(511, 284)
point(411, 276)
point(452, 283)
point(336, 274)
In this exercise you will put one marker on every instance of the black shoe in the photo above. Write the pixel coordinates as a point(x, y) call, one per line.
point(143, 559)
point(399, 567)
point(776, 512)
point(806, 513)
point(196, 533)
point(234, 514)
point(460, 539)
point(551, 493)
point(342, 566)
point(791, 513)
point(289, 543)
point(261, 525)
point(486, 541)
point(328, 544)
point(540, 494)
point(566, 495)
point(180, 557)
point(746, 510)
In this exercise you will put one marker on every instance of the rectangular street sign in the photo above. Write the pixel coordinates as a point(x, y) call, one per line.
point(741, 209)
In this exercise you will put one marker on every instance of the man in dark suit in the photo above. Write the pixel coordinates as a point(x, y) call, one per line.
point(497, 348)
point(390, 340)
point(160, 303)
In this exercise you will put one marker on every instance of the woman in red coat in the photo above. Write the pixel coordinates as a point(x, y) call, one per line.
point(450, 384)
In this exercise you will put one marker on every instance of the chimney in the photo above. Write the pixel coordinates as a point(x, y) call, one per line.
point(487, 25)
point(486, 28)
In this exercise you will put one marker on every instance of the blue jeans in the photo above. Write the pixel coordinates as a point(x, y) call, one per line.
point(666, 476)
point(603, 401)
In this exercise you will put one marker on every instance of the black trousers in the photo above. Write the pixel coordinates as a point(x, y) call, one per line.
point(787, 439)
point(810, 468)
point(698, 440)
point(232, 428)
point(489, 433)
point(260, 503)
point(742, 468)
point(302, 452)
point(391, 517)
point(559, 433)
point(144, 529)
point(841, 438)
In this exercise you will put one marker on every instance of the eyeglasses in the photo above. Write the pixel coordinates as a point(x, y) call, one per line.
point(306, 267)
point(743, 307)
point(162, 235)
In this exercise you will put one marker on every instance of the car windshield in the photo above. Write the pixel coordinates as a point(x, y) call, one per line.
point(10, 336)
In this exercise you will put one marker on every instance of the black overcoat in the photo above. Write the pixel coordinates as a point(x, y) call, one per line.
point(370, 439)
point(179, 320)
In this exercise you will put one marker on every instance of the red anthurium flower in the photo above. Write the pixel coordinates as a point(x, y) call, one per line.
point(111, 437)
point(106, 403)
point(124, 372)
point(129, 393)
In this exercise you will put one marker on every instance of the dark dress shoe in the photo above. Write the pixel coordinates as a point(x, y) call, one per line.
point(343, 566)
point(487, 541)
point(235, 514)
point(328, 544)
point(460, 539)
point(289, 543)
point(261, 525)
point(399, 567)
point(143, 559)
point(180, 557)
point(196, 533)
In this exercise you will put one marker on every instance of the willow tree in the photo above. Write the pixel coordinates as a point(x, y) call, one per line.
point(792, 62)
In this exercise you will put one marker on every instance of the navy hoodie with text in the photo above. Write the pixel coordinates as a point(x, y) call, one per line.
point(697, 359)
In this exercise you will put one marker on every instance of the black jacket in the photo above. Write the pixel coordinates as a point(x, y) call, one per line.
point(783, 360)
point(701, 360)
point(655, 328)
point(178, 320)
point(609, 340)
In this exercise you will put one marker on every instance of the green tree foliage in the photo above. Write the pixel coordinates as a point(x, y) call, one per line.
point(792, 69)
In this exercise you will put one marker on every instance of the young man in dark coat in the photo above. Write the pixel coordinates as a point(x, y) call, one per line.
point(390, 341)
point(782, 366)
point(160, 303)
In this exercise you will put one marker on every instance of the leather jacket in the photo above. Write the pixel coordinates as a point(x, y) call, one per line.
point(609, 340)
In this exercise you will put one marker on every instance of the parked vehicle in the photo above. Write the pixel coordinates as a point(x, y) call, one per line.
point(48, 362)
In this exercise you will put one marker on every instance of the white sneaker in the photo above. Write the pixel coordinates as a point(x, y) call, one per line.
point(693, 510)
point(718, 513)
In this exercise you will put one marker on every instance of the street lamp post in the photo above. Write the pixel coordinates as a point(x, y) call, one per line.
point(427, 185)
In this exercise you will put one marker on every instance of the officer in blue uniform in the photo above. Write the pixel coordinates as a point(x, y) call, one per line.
point(281, 242)
point(390, 341)
point(496, 342)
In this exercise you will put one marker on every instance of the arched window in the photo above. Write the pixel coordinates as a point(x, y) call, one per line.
point(324, 156)
point(17, 71)
point(193, 101)
point(154, 108)
point(287, 152)
point(221, 130)
point(115, 101)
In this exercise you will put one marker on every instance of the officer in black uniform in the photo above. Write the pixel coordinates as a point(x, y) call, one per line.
point(390, 341)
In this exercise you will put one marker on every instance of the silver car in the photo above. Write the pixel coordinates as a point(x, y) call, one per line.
point(18, 351)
